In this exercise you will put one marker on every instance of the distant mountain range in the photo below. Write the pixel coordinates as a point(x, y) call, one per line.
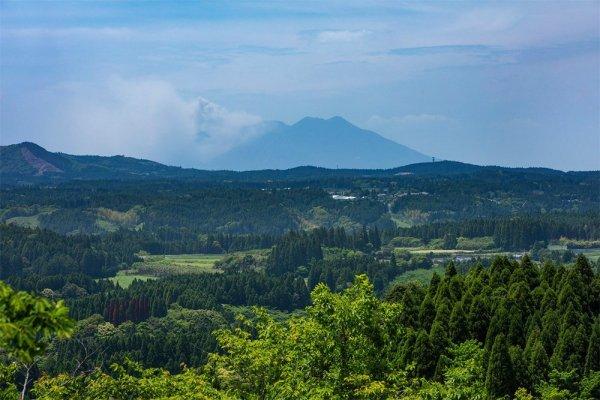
point(28, 163)
point(329, 143)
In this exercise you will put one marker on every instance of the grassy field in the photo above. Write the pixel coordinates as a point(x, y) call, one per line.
point(420, 250)
point(591, 254)
point(153, 267)
point(453, 252)
point(420, 275)
point(177, 264)
point(124, 279)
point(31, 221)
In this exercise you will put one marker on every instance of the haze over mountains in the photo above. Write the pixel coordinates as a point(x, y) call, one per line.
point(329, 143)
point(27, 163)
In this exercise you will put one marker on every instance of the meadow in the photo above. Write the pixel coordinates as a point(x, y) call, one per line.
point(173, 264)
point(155, 266)
point(420, 275)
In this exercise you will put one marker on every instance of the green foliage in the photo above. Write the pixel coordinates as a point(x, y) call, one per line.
point(27, 323)
point(351, 345)
point(182, 338)
point(127, 382)
point(341, 348)
point(8, 388)
point(500, 377)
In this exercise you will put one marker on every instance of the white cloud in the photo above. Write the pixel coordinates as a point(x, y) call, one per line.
point(142, 118)
point(330, 36)
point(219, 129)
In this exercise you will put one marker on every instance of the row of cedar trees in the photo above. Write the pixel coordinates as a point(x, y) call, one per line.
point(533, 322)
point(121, 310)
point(297, 249)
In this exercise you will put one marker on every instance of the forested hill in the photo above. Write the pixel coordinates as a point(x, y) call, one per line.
point(29, 163)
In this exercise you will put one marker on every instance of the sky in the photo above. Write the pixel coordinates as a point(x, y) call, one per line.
point(502, 83)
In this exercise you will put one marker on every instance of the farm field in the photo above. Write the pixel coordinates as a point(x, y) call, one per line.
point(125, 280)
point(416, 250)
point(453, 252)
point(592, 254)
point(420, 275)
point(155, 266)
point(174, 264)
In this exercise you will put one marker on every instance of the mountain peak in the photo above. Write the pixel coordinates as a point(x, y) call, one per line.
point(333, 142)
point(29, 146)
point(335, 120)
point(338, 119)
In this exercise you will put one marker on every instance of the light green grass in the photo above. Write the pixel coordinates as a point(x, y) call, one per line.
point(557, 247)
point(452, 252)
point(591, 254)
point(401, 221)
point(421, 250)
point(106, 226)
point(125, 280)
point(420, 275)
point(29, 221)
point(32, 221)
point(155, 266)
point(476, 243)
point(177, 264)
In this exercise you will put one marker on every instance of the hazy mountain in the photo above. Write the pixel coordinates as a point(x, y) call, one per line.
point(29, 162)
point(26, 163)
point(329, 143)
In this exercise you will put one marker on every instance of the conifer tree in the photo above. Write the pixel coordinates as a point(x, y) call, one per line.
point(592, 359)
point(423, 354)
point(458, 324)
point(478, 319)
point(500, 377)
point(427, 313)
point(538, 364)
point(450, 270)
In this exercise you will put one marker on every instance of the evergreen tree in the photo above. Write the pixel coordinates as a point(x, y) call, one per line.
point(458, 325)
point(500, 377)
point(592, 360)
point(450, 270)
point(427, 313)
point(478, 319)
point(423, 356)
point(538, 363)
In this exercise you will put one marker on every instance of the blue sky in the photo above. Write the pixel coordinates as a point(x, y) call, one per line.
point(508, 83)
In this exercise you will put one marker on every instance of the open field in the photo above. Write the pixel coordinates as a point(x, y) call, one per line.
point(31, 221)
point(124, 280)
point(591, 254)
point(419, 250)
point(177, 264)
point(453, 252)
point(155, 266)
point(420, 275)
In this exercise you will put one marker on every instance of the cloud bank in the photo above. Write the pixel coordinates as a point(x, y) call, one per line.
point(144, 118)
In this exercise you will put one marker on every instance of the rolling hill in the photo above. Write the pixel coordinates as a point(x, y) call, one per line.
point(29, 163)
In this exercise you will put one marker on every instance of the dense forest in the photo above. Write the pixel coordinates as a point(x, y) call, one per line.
point(407, 285)
point(177, 210)
point(512, 330)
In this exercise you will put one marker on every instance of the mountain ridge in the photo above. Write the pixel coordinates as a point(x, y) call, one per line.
point(58, 167)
